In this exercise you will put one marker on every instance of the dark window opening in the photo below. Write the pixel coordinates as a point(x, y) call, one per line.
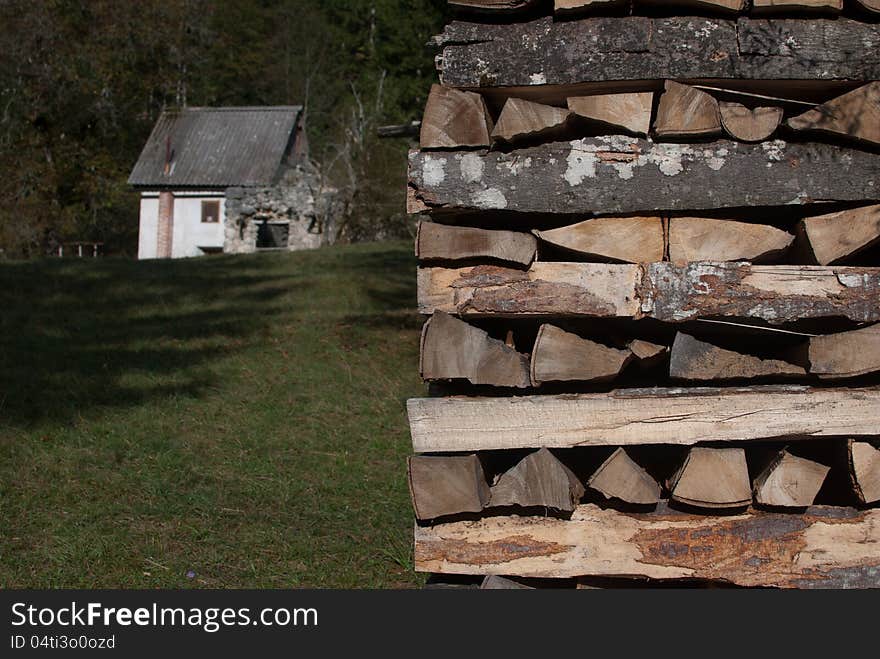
point(272, 235)
point(210, 211)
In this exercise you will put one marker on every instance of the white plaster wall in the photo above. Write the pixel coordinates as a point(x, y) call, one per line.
point(149, 226)
point(190, 233)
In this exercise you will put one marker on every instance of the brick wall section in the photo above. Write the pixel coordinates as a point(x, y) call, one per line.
point(165, 232)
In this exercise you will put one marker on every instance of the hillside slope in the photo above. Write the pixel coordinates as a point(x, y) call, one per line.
point(219, 422)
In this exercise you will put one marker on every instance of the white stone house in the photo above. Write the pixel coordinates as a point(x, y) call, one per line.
point(233, 179)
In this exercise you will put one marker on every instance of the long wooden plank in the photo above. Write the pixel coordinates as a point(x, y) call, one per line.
point(547, 52)
point(822, 548)
point(664, 291)
point(641, 416)
point(600, 175)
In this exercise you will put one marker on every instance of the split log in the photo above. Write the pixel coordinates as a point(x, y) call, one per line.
point(599, 174)
point(629, 112)
point(668, 292)
point(627, 239)
point(846, 354)
point(696, 360)
point(560, 356)
point(538, 480)
point(621, 48)
point(494, 5)
point(864, 465)
point(686, 111)
point(726, 6)
point(872, 6)
point(818, 6)
point(826, 547)
point(521, 120)
point(835, 236)
point(713, 478)
point(494, 582)
point(706, 239)
point(446, 485)
point(452, 349)
point(452, 243)
point(566, 7)
point(648, 354)
point(749, 125)
point(619, 477)
point(454, 119)
point(856, 114)
point(790, 482)
point(641, 416)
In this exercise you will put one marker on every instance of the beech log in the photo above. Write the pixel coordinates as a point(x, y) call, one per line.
point(856, 115)
point(627, 239)
point(836, 236)
point(628, 112)
point(864, 464)
point(453, 243)
point(454, 119)
point(696, 360)
point(707, 239)
point(712, 478)
point(446, 485)
point(538, 480)
point(619, 477)
point(846, 354)
point(560, 356)
point(790, 482)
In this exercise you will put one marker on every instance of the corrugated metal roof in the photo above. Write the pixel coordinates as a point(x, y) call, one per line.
point(217, 147)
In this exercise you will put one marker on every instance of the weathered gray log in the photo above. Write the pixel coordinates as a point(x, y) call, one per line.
point(641, 416)
point(665, 291)
point(825, 547)
point(599, 175)
point(640, 48)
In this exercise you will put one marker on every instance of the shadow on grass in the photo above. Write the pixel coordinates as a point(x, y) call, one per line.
point(80, 335)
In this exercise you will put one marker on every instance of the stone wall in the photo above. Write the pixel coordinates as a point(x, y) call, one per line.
point(298, 199)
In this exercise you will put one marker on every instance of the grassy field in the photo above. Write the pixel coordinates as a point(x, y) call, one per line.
point(221, 422)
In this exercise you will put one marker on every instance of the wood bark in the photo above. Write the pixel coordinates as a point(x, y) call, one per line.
point(628, 112)
point(821, 6)
point(619, 477)
point(600, 174)
point(686, 111)
point(713, 478)
point(664, 291)
point(836, 236)
point(696, 360)
point(749, 124)
point(864, 464)
point(708, 239)
point(826, 547)
point(790, 482)
point(446, 485)
point(452, 349)
point(538, 480)
point(846, 354)
point(560, 356)
point(640, 48)
point(856, 114)
point(635, 416)
point(454, 119)
point(521, 120)
point(627, 239)
point(453, 243)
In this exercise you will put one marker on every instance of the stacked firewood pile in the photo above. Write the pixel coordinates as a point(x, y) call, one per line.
point(649, 261)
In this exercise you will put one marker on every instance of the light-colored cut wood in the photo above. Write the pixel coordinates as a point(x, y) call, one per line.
point(454, 119)
point(856, 114)
point(822, 548)
point(749, 124)
point(538, 480)
point(452, 243)
point(628, 239)
point(846, 354)
point(864, 465)
point(629, 111)
point(686, 111)
point(446, 485)
point(522, 120)
point(713, 478)
point(790, 482)
point(452, 349)
point(629, 417)
point(560, 356)
point(843, 234)
point(648, 354)
point(708, 239)
point(664, 291)
point(697, 360)
point(819, 6)
point(619, 477)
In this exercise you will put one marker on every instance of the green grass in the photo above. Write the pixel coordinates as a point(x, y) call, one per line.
point(239, 417)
